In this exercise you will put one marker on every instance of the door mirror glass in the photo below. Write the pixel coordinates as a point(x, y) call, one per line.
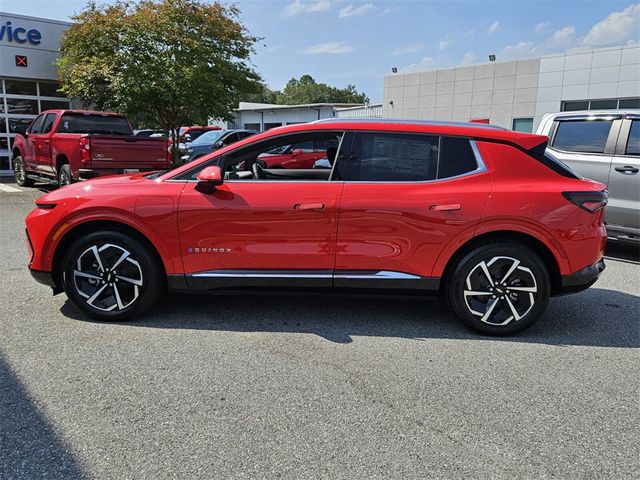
point(208, 179)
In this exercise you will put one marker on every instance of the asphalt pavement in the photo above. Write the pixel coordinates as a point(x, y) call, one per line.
point(314, 386)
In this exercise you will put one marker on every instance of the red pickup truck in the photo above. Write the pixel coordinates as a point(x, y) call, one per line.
point(63, 146)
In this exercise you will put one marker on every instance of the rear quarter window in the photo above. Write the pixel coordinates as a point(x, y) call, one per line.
point(633, 143)
point(456, 158)
point(584, 136)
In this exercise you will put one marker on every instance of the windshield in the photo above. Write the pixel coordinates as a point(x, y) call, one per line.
point(106, 124)
point(208, 138)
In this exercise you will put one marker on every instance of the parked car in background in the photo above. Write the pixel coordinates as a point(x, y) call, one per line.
point(210, 141)
point(603, 145)
point(476, 213)
point(299, 155)
point(63, 146)
point(150, 133)
point(189, 134)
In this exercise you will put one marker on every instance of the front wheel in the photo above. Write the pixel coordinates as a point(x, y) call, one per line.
point(111, 276)
point(499, 288)
point(20, 173)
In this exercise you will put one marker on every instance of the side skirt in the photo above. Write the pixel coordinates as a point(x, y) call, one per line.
point(314, 279)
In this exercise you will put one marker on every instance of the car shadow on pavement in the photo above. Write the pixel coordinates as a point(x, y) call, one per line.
point(596, 317)
point(29, 446)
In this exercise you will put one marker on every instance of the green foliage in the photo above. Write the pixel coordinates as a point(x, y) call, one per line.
point(163, 62)
point(307, 90)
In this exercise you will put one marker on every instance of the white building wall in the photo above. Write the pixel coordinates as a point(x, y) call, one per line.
point(519, 89)
point(282, 116)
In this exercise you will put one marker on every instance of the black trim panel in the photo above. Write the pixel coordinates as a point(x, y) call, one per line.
point(45, 278)
point(582, 279)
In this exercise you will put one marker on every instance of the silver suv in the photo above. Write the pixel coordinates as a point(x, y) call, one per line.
point(603, 145)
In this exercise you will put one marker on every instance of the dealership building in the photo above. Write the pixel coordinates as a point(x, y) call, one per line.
point(516, 94)
point(28, 49)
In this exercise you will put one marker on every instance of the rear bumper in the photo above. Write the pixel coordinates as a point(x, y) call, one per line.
point(582, 279)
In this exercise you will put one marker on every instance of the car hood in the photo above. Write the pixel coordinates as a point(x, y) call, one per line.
point(84, 188)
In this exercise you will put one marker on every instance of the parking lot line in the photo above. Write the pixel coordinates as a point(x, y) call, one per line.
point(9, 189)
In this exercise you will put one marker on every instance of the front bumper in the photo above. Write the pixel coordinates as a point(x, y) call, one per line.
point(45, 278)
point(582, 279)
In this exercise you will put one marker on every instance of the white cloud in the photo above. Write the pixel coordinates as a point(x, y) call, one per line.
point(423, 64)
point(542, 27)
point(351, 11)
point(617, 28)
point(468, 58)
point(561, 38)
point(330, 47)
point(520, 49)
point(446, 42)
point(297, 6)
point(411, 48)
point(494, 27)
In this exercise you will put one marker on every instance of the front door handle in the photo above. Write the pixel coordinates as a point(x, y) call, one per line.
point(627, 169)
point(446, 208)
point(309, 206)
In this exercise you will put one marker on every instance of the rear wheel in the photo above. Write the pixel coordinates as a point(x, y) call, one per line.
point(112, 276)
point(64, 175)
point(20, 173)
point(499, 288)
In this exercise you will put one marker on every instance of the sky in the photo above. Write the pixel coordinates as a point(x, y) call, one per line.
point(342, 42)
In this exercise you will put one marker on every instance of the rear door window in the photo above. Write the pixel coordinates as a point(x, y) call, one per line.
point(390, 157)
point(633, 144)
point(585, 136)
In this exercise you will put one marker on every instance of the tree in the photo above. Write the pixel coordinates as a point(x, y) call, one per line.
point(166, 62)
point(307, 90)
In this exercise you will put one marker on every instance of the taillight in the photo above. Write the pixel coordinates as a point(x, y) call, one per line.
point(85, 149)
point(589, 201)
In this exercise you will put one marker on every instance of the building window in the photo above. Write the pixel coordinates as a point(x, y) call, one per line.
point(269, 126)
point(573, 106)
point(53, 105)
point(20, 87)
point(629, 103)
point(252, 126)
point(522, 125)
point(50, 90)
point(22, 106)
point(608, 104)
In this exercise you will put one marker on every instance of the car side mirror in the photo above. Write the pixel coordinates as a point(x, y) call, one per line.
point(297, 151)
point(22, 130)
point(208, 179)
point(186, 138)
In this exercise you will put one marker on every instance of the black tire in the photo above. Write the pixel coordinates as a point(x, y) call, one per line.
point(20, 173)
point(134, 286)
point(64, 175)
point(526, 289)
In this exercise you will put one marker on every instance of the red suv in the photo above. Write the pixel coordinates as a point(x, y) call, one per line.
point(475, 212)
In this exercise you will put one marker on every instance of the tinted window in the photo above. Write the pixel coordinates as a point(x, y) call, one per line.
point(36, 126)
point(633, 144)
point(48, 122)
point(208, 138)
point(582, 135)
point(71, 123)
point(456, 157)
point(384, 157)
point(630, 103)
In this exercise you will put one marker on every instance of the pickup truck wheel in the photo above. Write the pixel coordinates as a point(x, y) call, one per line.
point(64, 175)
point(20, 173)
point(111, 276)
point(499, 288)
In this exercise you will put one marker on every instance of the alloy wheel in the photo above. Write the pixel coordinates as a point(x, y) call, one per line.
point(500, 291)
point(108, 277)
point(18, 170)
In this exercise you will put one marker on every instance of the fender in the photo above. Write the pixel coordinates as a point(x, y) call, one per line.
point(171, 260)
point(506, 224)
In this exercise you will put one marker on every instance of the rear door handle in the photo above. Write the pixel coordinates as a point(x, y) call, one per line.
point(627, 169)
point(309, 206)
point(446, 208)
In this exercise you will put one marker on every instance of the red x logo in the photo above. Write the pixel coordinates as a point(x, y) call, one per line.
point(21, 60)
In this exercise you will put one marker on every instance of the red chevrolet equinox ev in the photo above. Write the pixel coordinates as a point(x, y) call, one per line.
point(476, 213)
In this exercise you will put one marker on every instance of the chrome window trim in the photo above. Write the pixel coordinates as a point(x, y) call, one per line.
point(482, 167)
